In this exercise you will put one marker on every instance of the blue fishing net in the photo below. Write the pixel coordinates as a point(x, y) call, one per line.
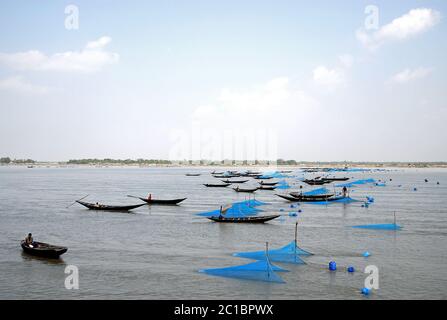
point(272, 174)
point(236, 211)
point(345, 200)
point(259, 271)
point(282, 185)
point(385, 226)
point(288, 254)
point(316, 192)
point(357, 182)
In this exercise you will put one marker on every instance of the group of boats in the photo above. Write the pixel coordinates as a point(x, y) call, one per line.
point(52, 251)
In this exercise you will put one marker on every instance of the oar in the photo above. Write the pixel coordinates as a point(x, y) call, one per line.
point(76, 200)
point(133, 196)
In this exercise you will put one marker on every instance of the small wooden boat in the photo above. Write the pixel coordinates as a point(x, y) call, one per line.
point(159, 201)
point(94, 206)
point(267, 188)
point(263, 178)
point(216, 185)
point(316, 181)
point(314, 197)
point(41, 249)
point(268, 183)
point(254, 219)
point(290, 198)
point(337, 179)
point(215, 172)
point(192, 174)
point(234, 181)
point(237, 189)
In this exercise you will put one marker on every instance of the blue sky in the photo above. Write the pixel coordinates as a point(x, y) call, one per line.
point(139, 77)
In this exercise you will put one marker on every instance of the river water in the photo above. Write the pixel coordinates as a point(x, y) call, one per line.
point(156, 251)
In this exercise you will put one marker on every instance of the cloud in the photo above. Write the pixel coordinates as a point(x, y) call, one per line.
point(346, 60)
point(329, 78)
point(263, 103)
point(19, 85)
point(415, 22)
point(90, 59)
point(408, 75)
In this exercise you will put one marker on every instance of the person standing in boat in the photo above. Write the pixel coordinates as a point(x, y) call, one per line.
point(149, 197)
point(345, 191)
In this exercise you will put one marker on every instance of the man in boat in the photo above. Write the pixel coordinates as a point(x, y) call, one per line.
point(29, 241)
point(220, 213)
point(149, 197)
point(345, 191)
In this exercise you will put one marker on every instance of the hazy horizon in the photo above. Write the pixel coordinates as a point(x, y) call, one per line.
point(320, 80)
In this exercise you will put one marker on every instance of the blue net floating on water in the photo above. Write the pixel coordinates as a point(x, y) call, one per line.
point(289, 254)
point(385, 226)
point(237, 210)
point(316, 192)
point(344, 200)
point(259, 271)
point(282, 185)
point(354, 183)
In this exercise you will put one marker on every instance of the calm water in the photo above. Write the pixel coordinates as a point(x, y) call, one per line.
point(155, 252)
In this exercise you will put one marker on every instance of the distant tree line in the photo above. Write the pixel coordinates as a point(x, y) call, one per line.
point(118, 161)
point(7, 160)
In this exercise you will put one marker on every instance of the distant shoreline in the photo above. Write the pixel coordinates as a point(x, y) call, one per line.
point(236, 165)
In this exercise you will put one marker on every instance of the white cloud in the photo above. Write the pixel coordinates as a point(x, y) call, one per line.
point(90, 59)
point(329, 78)
point(262, 103)
point(408, 75)
point(19, 85)
point(415, 22)
point(346, 60)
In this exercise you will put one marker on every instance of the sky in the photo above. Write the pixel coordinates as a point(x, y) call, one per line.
point(305, 80)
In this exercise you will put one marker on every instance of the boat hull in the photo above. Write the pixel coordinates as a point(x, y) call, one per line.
point(44, 250)
point(261, 219)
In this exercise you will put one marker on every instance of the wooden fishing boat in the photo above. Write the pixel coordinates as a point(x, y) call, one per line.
point(234, 181)
point(94, 206)
point(311, 197)
point(251, 190)
point(268, 183)
point(263, 178)
point(316, 181)
point(192, 174)
point(215, 172)
point(337, 179)
point(159, 201)
point(267, 187)
point(254, 219)
point(290, 198)
point(45, 250)
point(215, 185)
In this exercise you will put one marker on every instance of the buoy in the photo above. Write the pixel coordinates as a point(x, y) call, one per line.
point(437, 182)
point(365, 291)
point(391, 179)
point(351, 269)
point(366, 254)
point(426, 180)
point(332, 266)
point(301, 187)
